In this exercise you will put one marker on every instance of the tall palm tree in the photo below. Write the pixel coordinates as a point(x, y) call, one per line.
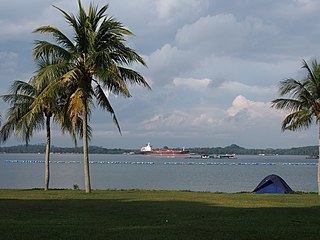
point(303, 102)
point(94, 61)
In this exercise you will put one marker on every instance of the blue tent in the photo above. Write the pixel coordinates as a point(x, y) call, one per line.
point(273, 184)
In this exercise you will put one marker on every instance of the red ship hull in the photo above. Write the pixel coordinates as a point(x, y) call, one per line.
point(147, 150)
point(167, 152)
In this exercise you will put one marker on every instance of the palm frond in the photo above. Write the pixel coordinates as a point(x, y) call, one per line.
point(110, 78)
point(59, 37)
point(75, 106)
point(96, 16)
point(7, 129)
point(105, 104)
point(298, 120)
point(310, 72)
point(286, 104)
point(126, 56)
point(291, 87)
point(20, 119)
point(133, 77)
point(46, 53)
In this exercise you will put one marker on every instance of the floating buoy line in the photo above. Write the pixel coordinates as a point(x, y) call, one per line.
point(167, 163)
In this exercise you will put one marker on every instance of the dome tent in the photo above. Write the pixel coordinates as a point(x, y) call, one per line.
point(273, 184)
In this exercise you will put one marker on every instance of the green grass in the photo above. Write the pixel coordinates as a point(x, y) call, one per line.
point(137, 214)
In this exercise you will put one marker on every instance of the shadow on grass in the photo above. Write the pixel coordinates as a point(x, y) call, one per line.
point(123, 219)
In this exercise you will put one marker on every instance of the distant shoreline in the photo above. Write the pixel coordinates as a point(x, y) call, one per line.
point(232, 149)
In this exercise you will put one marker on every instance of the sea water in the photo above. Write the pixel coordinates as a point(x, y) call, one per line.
point(21, 171)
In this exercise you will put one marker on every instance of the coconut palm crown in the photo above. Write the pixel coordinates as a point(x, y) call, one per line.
point(93, 62)
point(302, 102)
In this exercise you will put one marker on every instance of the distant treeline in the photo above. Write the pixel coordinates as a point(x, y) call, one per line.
point(232, 149)
point(235, 149)
point(42, 149)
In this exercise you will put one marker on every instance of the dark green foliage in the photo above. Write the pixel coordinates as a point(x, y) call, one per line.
point(308, 150)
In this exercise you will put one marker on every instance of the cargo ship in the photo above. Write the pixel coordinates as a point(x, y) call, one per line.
point(147, 150)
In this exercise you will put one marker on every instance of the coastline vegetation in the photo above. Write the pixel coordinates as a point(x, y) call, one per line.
point(140, 214)
point(232, 149)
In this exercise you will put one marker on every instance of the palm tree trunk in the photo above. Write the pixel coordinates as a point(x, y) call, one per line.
point(85, 150)
point(48, 145)
point(319, 161)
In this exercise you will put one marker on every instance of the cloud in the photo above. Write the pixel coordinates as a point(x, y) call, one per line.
point(166, 7)
point(202, 117)
point(252, 109)
point(16, 24)
point(244, 70)
point(171, 8)
point(221, 47)
point(216, 124)
point(167, 63)
point(15, 29)
point(171, 121)
point(207, 34)
point(249, 89)
point(191, 82)
point(225, 35)
point(213, 66)
point(299, 8)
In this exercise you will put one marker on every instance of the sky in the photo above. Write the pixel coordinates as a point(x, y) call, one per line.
point(214, 66)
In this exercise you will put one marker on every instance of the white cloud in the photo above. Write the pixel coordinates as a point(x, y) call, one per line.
point(242, 113)
point(191, 82)
point(252, 109)
point(205, 119)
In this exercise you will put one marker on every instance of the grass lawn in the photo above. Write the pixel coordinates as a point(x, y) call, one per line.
point(138, 214)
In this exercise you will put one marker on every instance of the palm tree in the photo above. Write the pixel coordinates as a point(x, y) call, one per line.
point(30, 110)
point(95, 61)
point(303, 102)
point(22, 121)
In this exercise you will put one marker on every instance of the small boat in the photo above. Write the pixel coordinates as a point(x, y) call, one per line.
point(312, 157)
point(229, 156)
point(205, 156)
